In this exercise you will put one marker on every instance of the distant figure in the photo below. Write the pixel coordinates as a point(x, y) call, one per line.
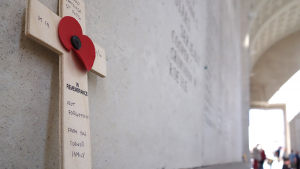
point(292, 157)
point(277, 152)
point(297, 160)
point(263, 158)
point(286, 163)
point(256, 156)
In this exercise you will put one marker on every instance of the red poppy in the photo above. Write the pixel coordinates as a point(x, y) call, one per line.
point(70, 34)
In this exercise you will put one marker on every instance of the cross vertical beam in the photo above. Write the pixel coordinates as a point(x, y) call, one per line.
point(42, 26)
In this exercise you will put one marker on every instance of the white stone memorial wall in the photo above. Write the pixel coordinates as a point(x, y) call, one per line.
point(172, 97)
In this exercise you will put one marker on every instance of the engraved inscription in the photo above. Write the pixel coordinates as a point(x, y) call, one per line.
point(74, 131)
point(73, 5)
point(98, 53)
point(77, 133)
point(74, 113)
point(178, 77)
point(82, 133)
point(77, 154)
point(184, 13)
point(77, 144)
point(184, 59)
point(70, 103)
point(77, 89)
point(45, 22)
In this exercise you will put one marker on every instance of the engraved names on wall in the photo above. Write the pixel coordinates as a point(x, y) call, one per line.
point(184, 58)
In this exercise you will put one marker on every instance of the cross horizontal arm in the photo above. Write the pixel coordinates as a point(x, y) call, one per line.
point(99, 67)
point(42, 26)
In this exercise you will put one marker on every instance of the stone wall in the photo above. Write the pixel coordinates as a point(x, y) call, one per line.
point(295, 133)
point(176, 94)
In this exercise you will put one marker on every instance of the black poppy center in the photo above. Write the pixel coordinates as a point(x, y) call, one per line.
point(76, 43)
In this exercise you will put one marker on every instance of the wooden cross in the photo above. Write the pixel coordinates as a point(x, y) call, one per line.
point(42, 26)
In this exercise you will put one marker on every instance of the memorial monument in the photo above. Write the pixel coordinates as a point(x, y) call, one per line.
point(175, 92)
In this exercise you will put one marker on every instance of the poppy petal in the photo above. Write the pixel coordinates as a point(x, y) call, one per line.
point(68, 27)
point(87, 52)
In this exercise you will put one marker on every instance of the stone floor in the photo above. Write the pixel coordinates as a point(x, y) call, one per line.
point(228, 166)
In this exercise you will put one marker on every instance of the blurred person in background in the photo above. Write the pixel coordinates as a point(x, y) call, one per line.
point(297, 160)
point(286, 164)
point(263, 158)
point(256, 156)
point(277, 152)
point(292, 157)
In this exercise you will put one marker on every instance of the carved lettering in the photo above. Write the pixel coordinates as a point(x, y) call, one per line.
point(74, 113)
point(76, 144)
point(72, 130)
point(77, 90)
point(77, 154)
point(82, 133)
point(45, 22)
point(70, 103)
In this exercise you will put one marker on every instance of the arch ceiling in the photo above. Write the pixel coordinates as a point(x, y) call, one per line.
point(272, 20)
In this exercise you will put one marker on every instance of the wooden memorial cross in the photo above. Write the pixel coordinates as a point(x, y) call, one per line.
point(42, 25)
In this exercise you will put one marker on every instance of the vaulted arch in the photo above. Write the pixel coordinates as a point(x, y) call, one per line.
point(272, 20)
point(275, 67)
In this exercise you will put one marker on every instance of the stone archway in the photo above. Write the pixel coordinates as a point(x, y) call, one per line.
point(275, 67)
point(266, 106)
